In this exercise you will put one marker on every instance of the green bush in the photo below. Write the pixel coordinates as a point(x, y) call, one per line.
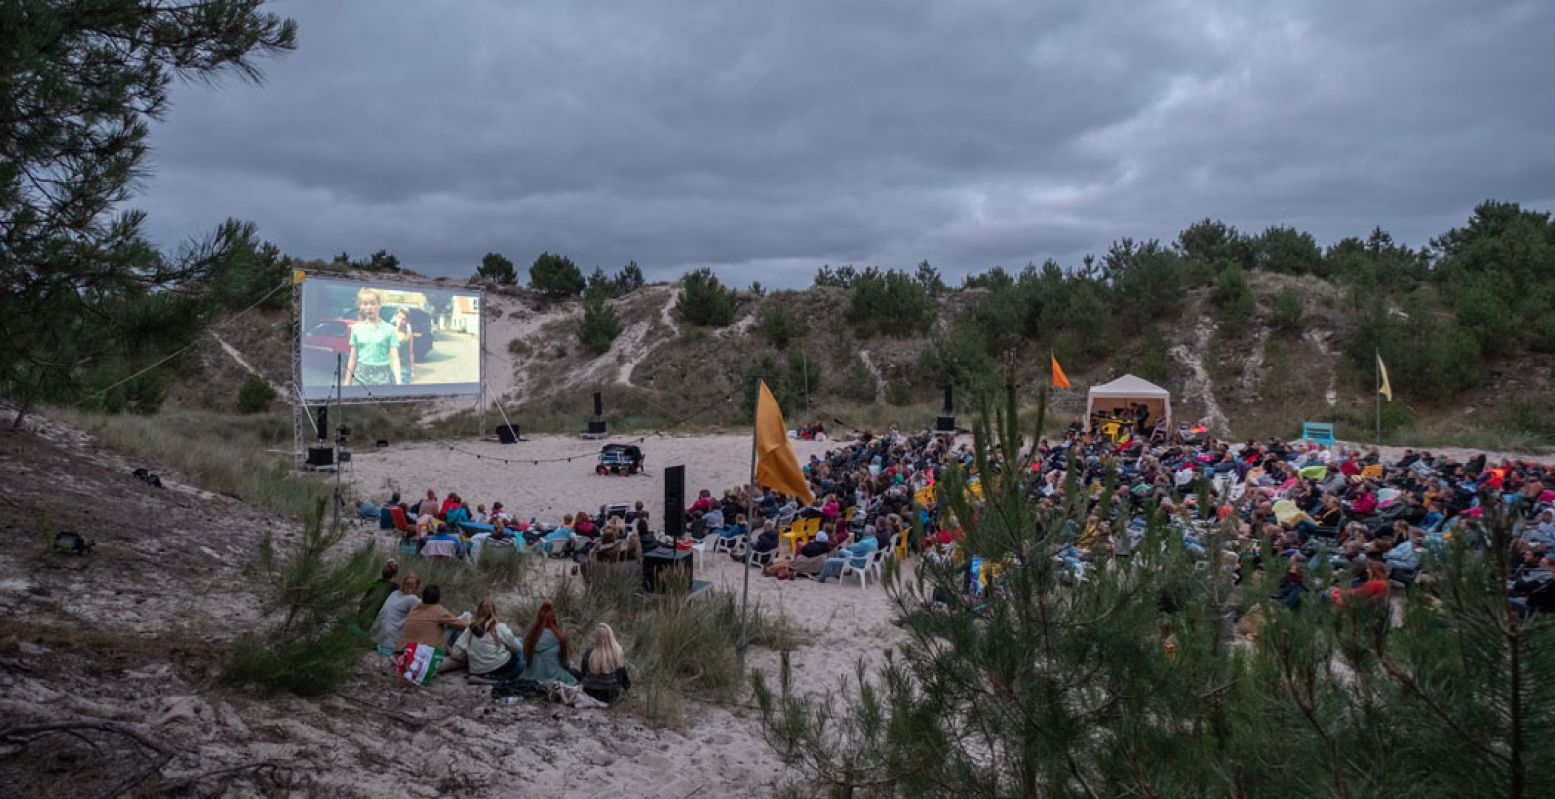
point(1234, 298)
point(312, 645)
point(889, 303)
point(308, 665)
point(777, 325)
point(859, 384)
point(255, 395)
point(704, 300)
point(804, 375)
point(600, 325)
point(556, 275)
point(898, 392)
point(1288, 314)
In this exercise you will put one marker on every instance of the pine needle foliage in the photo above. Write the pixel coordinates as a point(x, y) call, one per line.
point(312, 645)
point(1139, 680)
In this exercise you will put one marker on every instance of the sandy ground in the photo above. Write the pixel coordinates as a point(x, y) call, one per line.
point(538, 480)
point(132, 634)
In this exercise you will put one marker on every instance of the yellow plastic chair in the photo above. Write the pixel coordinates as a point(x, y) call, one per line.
point(900, 549)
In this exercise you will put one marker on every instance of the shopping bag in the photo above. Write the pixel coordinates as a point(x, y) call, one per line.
point(419, 663)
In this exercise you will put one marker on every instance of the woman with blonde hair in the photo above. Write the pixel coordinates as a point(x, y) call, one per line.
point(604, 667)
point(490, 647)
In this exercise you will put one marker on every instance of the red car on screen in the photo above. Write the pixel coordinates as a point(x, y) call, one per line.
point(329, 336)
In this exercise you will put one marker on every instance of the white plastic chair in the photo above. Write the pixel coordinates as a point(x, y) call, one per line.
point(721, 544)
point(871, 563)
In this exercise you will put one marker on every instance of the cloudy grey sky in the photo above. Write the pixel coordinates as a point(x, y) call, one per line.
point(767, 139)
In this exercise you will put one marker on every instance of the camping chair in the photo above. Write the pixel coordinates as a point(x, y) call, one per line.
point(1318, 432)
point(721, 544)
point(400, 522)
point(871, 563)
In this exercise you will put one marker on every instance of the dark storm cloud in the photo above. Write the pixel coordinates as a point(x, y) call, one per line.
point(766, 141)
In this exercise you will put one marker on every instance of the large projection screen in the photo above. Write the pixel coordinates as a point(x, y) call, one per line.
point(394, 340)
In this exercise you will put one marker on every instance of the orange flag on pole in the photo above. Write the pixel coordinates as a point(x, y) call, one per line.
point(1060, 380)
point(776, 466)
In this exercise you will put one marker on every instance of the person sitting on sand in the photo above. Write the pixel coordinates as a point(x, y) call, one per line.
point(489, 646)
point(604, 667)
point(545, 648)
point(391, 617)
point(366, 510)
point(431, 624)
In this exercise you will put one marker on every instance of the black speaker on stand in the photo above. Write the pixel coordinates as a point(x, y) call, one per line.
point(946, 423)
point(597, 424)
point(323, 422)
point(675, 501)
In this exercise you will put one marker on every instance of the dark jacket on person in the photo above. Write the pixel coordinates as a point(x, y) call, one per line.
point(768, 540)
point(604, 686)
point(1291, 588)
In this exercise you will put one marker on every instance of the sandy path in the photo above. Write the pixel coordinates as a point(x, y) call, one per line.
point(874, 371)
point(233, 353)
point(1199, 385)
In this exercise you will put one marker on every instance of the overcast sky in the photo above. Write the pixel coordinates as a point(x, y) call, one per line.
point(767, 139)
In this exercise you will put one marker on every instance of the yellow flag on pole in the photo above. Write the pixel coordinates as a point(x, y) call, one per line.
point(1060, 380)
point(776, 467)
point(1384, 387)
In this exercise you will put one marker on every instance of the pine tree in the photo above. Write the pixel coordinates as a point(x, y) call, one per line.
point(79, 83)
point(1017, 682)
point(600, 325)
point(497, 268)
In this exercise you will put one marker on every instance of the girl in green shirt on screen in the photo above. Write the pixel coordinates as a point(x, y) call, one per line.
point(375, 350)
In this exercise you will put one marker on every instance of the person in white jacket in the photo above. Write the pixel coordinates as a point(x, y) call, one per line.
point(489, 647)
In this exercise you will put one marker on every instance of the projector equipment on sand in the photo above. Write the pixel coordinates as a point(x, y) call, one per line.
point(597, 424)
point(507, 433)
point(946, 423)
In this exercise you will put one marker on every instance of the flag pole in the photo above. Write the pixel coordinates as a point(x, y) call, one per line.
point(1378, 367)
point(750, 525)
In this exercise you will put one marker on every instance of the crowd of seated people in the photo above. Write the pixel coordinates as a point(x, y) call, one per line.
point(1369, 519)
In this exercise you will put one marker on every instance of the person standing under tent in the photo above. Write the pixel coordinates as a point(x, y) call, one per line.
point(375, 353)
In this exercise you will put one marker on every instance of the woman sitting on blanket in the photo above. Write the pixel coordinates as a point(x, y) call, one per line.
point(545, 648)
point(490, 647)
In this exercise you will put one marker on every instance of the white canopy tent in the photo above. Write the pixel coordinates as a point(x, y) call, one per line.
point(1127, 391)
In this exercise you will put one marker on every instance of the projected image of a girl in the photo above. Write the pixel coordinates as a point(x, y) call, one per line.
point(375, 352)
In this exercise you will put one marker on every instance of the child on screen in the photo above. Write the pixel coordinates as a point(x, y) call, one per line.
point(375, 353)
